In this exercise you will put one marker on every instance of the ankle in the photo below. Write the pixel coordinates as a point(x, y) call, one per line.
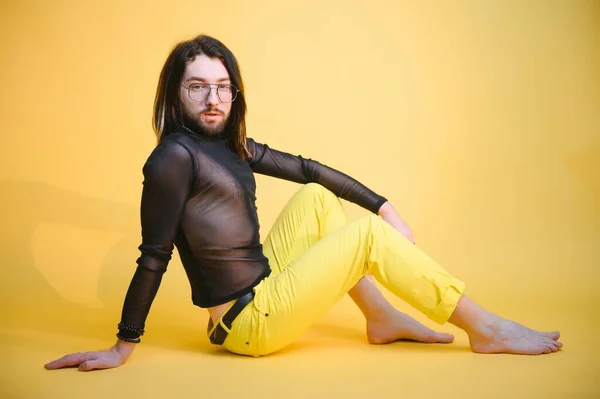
point(472, 318)
point(380, 315)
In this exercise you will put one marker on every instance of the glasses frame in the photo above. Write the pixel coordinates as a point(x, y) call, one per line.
point(234, 90)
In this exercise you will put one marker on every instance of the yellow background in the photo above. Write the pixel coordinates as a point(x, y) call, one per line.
point(479, 120)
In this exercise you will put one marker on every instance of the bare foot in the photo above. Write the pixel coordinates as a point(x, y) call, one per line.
point(499, 335)
point(490, 333)
point(400, 326)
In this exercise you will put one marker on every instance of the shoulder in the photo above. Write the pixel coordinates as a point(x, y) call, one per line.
point(253, 149)
point(250, 142)
point(254, 145)
point(171, 153)
point(172, 147)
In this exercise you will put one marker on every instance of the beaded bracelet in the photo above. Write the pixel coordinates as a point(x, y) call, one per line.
point(128, 327)
point(133, 340)
point(129, 333)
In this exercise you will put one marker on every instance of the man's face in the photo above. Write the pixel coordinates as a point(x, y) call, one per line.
point(211, 114)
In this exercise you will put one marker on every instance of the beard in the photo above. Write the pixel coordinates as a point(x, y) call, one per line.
point(194, 123)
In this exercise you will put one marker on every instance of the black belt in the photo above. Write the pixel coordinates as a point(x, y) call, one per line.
point(219, 334)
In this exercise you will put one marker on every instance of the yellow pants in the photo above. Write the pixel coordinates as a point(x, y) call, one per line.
point(317, 256)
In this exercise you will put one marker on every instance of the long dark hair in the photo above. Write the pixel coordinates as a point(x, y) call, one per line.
point(168, 112)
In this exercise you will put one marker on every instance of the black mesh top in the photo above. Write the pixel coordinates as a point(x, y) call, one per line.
point(199, 197)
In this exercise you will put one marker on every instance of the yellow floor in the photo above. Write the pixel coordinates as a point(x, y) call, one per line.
point(477, 119)
point(332, 360)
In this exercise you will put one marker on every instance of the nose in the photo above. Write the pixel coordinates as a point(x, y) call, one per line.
point(213, 98)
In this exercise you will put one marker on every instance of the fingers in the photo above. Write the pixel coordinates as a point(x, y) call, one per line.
point(88, 361)
point(73, 359)
point(93, 364)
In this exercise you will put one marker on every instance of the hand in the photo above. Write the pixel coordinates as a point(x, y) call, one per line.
point(86, 361)
point(389, 214)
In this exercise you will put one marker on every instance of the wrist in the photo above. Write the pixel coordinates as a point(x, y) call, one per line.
point(386, 208)
point(124, 348)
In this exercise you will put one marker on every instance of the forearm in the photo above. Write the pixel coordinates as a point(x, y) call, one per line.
point(389, 213)
point(386, 208)
point(304, 170)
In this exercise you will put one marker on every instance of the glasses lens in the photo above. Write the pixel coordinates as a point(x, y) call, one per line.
point(198, 92)
point(227, 93)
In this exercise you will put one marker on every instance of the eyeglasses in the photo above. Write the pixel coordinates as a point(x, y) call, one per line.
point(199, 92)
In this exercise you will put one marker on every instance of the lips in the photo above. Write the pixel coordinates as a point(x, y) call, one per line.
point(212, 113)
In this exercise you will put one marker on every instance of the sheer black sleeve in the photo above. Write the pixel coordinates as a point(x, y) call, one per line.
point(270, 162)
point(168, 174)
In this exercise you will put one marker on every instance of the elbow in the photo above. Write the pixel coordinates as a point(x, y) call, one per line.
point(153, 261)
point(309, 170)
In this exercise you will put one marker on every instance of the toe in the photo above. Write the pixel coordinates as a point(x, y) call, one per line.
point(556, 345)
point(559, 344)
point(444, 338)
point(546, 347)
point(550, 343)
point(555, 335)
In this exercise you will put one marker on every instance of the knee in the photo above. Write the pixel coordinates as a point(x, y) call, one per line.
point(373, 220)
point(315, 190)
point(372, 224)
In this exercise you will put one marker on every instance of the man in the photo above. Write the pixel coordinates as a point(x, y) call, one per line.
point(199, 195)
